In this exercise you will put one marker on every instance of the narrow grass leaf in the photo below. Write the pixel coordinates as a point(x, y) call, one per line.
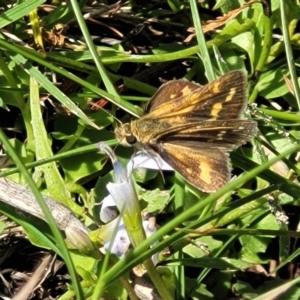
point(18, 11)
point(52, 89)
point(54, 182)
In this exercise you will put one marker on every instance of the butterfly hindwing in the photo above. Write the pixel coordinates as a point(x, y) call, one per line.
point(207, 169)
point(225, 134)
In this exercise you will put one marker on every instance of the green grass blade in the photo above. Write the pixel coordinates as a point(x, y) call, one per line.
point(18, 11)
point(289, 52)
point(201, 41)
point(109, 86)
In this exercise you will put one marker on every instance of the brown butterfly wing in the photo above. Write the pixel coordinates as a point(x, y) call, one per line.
point(201, 155)
point(223, 98)
point(226, 135)
point(206, 169)
point(170, 91)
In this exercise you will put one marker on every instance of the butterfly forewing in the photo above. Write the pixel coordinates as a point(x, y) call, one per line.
point(223, 98)
point(171, 91)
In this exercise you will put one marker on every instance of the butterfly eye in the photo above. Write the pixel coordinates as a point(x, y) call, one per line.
point(131, 139)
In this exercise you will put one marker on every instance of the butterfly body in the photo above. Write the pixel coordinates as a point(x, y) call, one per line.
point(193, 127)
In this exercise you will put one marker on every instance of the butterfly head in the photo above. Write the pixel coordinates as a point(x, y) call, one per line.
point(125, 136)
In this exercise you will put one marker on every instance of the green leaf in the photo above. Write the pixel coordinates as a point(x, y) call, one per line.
point(272, 84)
point(157, 200)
